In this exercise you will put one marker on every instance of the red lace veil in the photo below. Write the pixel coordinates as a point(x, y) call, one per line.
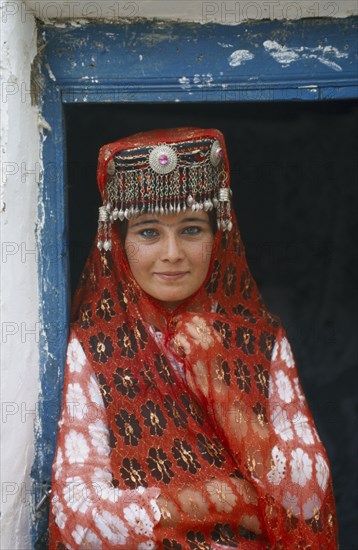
point(231, 445)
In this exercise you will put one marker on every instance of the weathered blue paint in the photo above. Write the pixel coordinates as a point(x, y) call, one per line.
point(166, 62)
point(53, 276)
point(160, 62)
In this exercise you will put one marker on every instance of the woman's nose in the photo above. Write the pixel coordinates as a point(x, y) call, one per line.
point(172, 250)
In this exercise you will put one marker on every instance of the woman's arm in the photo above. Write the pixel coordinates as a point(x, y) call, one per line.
point(264, 420)
point(88, 511)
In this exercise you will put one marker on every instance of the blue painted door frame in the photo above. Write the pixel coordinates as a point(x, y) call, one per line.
point(304, 60)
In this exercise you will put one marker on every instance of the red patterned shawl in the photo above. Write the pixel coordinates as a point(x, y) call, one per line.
point(229, 446)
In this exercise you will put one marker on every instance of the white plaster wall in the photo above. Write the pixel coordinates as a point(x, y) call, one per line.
point(227, 12)
point(20, 150)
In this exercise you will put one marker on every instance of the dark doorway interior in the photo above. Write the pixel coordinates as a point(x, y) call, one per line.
point(294, 177)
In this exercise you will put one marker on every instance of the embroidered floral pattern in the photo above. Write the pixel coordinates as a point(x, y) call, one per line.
point(154, 418)
point(211, 451)
point(322, 471)
point(85, 318)
point(122, 297)
point(301, 467)
point(159, 465)
point(196, 541)
point(101, 347)
point(242, 374)
point(175, 412)
point(222, 370)
point(281, 423)
point(106, 263)
point(161, 364)
point(57, 466)
point(311, 507)
point(138, 518)
point(266, 344)
point(221, 495)
point(140, 334)
point(246, 284)
point(126, 296)
point(76, 401)
point(129, 428)
point(260, 412)
point(112, 440)
point(111, 527)
point(262, 379)
point(94, 392)
point(76, 448)
point(278, 466)
point(286, 353)
point(224, 535)
point(132, 473)
point(225, 333)
point(75, 494)
point(229, 280)
point(86, 537)
point(212, 284)
point(244, 312)
point(105, 390)
point(192, 408)
point(148, 376)
point(302, 428)
point(58, 511)
point(126, 383)
point(290, 502)
point(245, 340)
point(105, 309)
point(170, 544)
point(185, 457)
point(99, 434)
point(75, 356)
point(127, 341)
point(200, 332)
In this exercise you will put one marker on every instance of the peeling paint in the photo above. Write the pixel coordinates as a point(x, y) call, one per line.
point(50, 73)
point(239, 57)
point(311, 88)
point(223, 45)
point(42, 124)
point(198, 80)
point(185, 82)
point(92, 79)
point(286, 55)
point(202, 80)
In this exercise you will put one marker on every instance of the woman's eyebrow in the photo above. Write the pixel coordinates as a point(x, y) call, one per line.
point(185, 220)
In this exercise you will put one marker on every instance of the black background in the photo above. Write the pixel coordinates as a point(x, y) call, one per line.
point(294, 179)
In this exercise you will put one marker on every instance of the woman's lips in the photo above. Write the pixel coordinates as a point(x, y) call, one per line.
point(171, 275)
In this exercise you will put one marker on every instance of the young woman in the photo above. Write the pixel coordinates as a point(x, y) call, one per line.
point(184, 425)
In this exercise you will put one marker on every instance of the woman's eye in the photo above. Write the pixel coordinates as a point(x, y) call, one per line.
point(148, 233)
point(192, 230)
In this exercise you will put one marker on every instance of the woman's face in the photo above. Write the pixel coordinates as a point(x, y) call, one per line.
point(169, 255)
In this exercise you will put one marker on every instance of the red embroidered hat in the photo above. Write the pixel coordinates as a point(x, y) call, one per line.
point(164, 172)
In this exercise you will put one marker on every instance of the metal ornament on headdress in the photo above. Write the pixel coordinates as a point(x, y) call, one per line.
point(216, 153)
point(165, 179)
point(163, 159)
point(104, 241)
